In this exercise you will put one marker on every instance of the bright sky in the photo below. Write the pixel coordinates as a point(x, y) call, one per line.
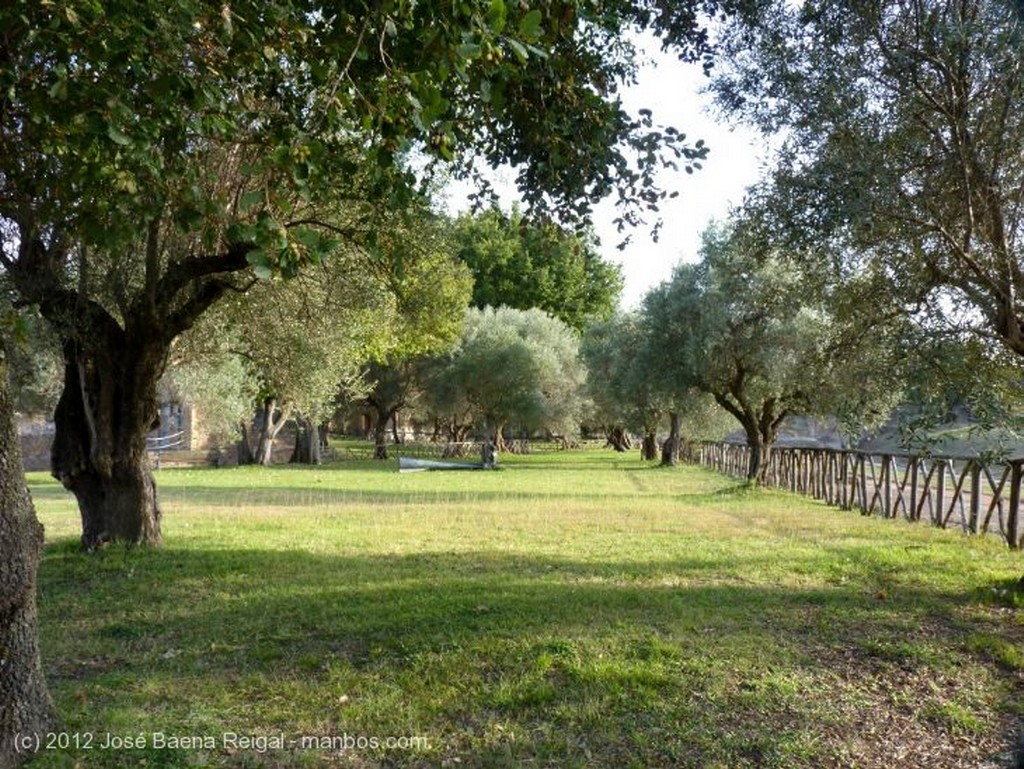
point(672, 91)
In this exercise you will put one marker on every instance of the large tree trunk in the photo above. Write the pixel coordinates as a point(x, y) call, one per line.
point(271, 422)
point(380, 431)
point(113, 361)
point(760, 446)
point(760, 424)
point(245, 455)
point(25, 707)
point(307, 443)
point(107, 408)
point(649, 448)
point(618, 439)
point(670, 449)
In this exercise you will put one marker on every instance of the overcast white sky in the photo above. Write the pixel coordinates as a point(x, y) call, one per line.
point(672, 91)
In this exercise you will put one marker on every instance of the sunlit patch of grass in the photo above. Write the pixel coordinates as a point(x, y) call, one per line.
point(571, 610)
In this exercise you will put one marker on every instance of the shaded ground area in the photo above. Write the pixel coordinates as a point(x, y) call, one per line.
point(554, 614)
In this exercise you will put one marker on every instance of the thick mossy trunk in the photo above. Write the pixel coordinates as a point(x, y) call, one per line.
point(105, 412)
point(25, 706)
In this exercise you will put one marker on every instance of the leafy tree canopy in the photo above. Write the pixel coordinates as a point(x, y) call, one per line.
point(523, 263)
point(750, 327)
point(152, 153)
point(902, 145)
point(619, 383)
point(512, 367)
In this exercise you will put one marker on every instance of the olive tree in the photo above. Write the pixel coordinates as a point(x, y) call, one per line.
point(512, 367)
point(901, 134)
point(154, 154)
point(751, 328)
point(619, 382)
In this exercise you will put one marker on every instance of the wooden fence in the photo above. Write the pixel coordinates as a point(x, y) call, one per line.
point(977, 497)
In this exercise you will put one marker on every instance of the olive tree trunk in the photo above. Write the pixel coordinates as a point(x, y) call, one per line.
point(670, 448)
point(107, 408)
point(271, 421)
point(380, 430)
point(618, 439)
point(457, 434)
point(649, 447)
point(25, 706)
point(760, 449)
point(308, 446)
point(761, 422)
point(113, 360)
point(245, 455)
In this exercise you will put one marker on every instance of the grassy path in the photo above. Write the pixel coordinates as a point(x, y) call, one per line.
point(571, 610)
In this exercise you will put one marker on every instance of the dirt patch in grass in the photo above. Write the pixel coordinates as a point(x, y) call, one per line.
point(892, 712)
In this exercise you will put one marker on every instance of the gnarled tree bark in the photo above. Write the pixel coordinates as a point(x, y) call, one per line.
point(618, 439)
point(649, 447)
point(112, 363)
point(105, 411)
point(25, 706)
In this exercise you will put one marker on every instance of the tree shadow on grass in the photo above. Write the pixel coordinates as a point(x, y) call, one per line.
point(497, 658)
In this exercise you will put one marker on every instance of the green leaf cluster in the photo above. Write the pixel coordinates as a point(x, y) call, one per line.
point(517, 368)
point(520, 263)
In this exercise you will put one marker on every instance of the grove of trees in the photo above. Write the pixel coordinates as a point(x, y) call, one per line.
point(901, 133)
point(510, 368)
point(154, 156)
point(224, 194)
point(157, 156)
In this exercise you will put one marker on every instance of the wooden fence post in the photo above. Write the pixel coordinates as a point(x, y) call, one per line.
point(840, 478)
point(1013, 515)
point(972, 525)
point(913, 488)
point(887, 511)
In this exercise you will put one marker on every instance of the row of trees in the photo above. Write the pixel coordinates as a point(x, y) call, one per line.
point(744, 339)
point(882, 254)
point(394, 336)
point(898, 182)
point(158, 157)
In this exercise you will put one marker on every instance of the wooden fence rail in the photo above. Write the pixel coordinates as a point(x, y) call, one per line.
point(977, 497)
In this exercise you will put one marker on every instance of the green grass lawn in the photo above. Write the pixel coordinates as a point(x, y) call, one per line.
point(570, 610)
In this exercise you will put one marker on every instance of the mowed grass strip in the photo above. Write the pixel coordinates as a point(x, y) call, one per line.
point(569, 610)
